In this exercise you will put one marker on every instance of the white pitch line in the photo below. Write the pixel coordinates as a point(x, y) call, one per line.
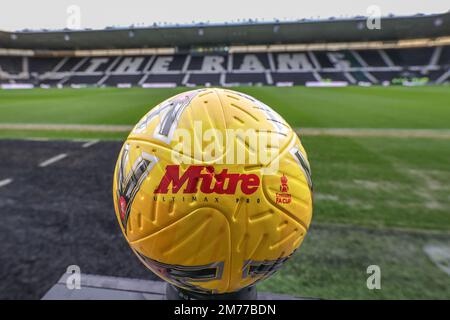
point(5, 182)
point(38, 139)
point(52, 160)
point(90, 143)
point(368, 132)
point(66, 127)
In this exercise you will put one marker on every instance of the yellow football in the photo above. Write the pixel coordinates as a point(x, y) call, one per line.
point(212, 190)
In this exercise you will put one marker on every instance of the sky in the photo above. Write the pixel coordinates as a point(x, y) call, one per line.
point(98, 14)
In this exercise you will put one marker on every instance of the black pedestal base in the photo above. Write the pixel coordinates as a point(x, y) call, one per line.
point(175, 293)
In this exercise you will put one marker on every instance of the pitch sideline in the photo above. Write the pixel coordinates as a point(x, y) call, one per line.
point(337, 132)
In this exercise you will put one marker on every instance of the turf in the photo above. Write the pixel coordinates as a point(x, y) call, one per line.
point(332, 264)
point(376, 182)
point(360, 180)
point(381, 182)
point(351, 107)
point(377, 200)
point(63, 214)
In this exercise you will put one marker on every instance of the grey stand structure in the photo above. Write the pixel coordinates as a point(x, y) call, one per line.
point(95, 287)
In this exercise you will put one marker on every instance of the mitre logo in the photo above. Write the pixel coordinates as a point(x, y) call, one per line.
point(283, 196)
point(205, 179)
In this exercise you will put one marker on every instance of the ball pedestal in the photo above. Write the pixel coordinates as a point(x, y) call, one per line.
point(175, 293)
point(97, 287)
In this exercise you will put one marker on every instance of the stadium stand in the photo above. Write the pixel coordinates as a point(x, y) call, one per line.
point(295, 68)
point(228, 55)
point(11, 65)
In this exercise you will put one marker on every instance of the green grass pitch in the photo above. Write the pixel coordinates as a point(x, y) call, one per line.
point(378, 200)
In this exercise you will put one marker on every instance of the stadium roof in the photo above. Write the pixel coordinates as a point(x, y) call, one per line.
point(305, 31)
